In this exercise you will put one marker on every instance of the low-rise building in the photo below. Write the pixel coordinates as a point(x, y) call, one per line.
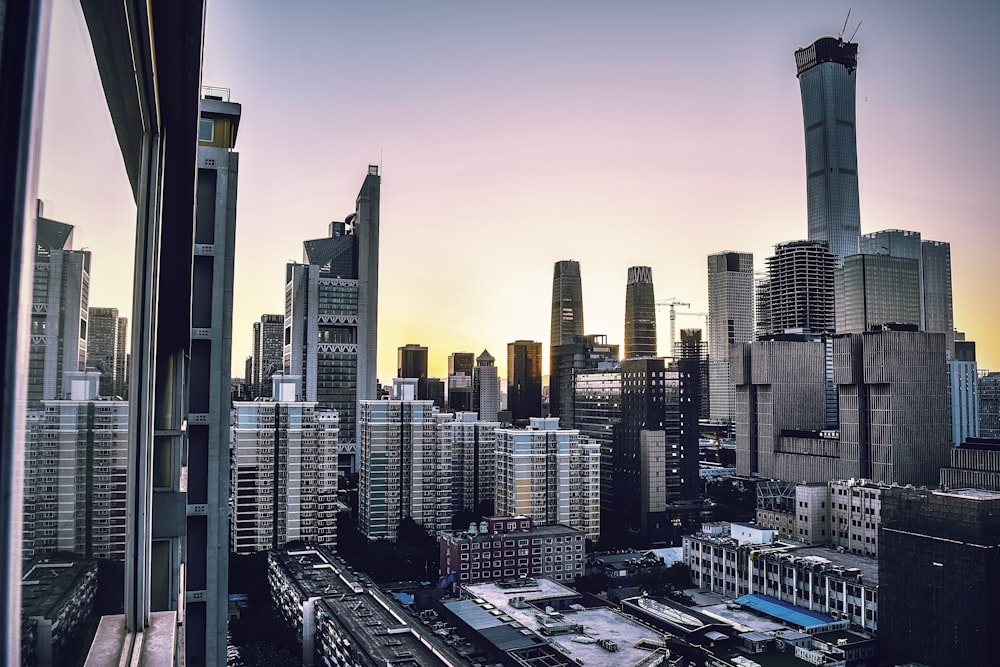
point(735, 560)
point(57, 602)
point(343, 620)
point(505, 548)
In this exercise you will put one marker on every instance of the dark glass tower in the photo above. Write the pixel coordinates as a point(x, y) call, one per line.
point(640, 313)
point(524, 380)
point(411, 362)
point(567, 303)
point(826, 72)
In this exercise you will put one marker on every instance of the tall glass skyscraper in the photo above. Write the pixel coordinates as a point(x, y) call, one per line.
point(567, 303)
point(826, 79)
point(640, 313)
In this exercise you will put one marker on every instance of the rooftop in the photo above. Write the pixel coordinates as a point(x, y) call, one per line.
point(785, 612)
point(47, 582)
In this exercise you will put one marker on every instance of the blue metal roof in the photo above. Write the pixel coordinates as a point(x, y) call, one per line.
point(783, 611)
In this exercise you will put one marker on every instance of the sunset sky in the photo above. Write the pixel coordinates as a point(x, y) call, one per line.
point(512, 135)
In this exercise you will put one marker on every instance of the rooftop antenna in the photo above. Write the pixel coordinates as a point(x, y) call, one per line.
point(851, 38)
point(840, 35)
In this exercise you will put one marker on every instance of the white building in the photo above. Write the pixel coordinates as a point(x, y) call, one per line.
point(405, 469)
point(473, 468)
point(284, 472)
point(550, 475)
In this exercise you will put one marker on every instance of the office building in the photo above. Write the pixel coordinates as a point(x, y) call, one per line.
point(964, 385)
point(975, 464)
point(939, 575)
point(892, 388)
point(59, 310)
point(284, 471)
point(550, 475)
point(331, 312)
point(524, 380)
point(268, 343)
point(501, 548)
point(405, 469)
point(567, 303)
point(826, 70)
point(640, 313)
point(654, 462)
point(989, 404)
point(460, 367)
point(730, 320)
point(573, 355)
point(411, 362)
point(934, 268)
point(486, 387)
point(737, 560)
point(694, 350)
point(597, 408)
point(473, 469)
point(798, 294)
point(76, 462)
point(435, 392)
point(873, 290)
point(122, 359)
point(102, 347)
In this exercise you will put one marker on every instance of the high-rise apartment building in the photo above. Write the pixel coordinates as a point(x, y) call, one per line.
point(826, 70)
point(268, 343)
point(524, 380)
point(798, 294)
point(331, 313)
point(934, 275)
point(411, 362)
point(473, 469)
point(405, 468)
point(486, 387)
point(569, 358)
point(60, 297)
point(284, 471)
point(876, 289)
point(460, 368)
point(102, 346)
point(550, 475)
point(640, 313)
point(75, 473)
point(730, 320)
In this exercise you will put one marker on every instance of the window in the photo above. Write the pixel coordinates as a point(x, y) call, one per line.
point(206, 129)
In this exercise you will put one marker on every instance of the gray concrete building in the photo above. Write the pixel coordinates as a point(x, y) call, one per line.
point(730, 320)
point(798, 294)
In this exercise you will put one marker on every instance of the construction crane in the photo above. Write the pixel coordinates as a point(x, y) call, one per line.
point(672, 302)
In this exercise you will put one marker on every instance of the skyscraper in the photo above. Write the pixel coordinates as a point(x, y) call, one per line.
point(964, 388)
point(568, 358)
point(268, 342)
point(102, 346)
point(331, 312)
point(798, 292)
point(284, 472)
point(876, 289)
point(59, 311)
point(827, 81)
point(730, 320)
point(486, 387)
point(565, 327)
point(411, 362)
point(460, 366)
point(122, 359)
point(640, 313)
point(524, 380)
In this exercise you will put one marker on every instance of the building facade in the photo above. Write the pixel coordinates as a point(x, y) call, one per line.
point(102, 347)
point(799, 290)
point(549, 475)
point(502, 548)
point(331, 314)
point(573, 355)
point(826, 70)
point(524, 380)
point(964, 385)
point(486, 388)
point(405, 469)
point(473, 468)
point(730, 320)
point(60, 296)
point(876, 289)
point(640, 313)
point(284, 471)
point(460, 369)
point(268, 343)
point(411, 362)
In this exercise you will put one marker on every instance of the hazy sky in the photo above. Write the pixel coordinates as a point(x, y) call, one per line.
point(515, 134)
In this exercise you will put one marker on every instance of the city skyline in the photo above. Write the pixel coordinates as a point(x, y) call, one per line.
point(614, 138)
